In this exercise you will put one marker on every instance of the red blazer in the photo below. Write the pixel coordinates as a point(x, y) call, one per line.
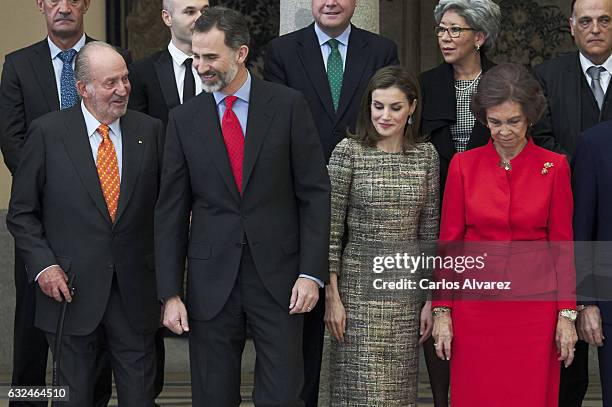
point(530, 206)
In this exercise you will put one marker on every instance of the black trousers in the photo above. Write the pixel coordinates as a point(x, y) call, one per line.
point(30, 346)
point(132, 358)
point(575, 378)
point(314, 332)
point(216, 345)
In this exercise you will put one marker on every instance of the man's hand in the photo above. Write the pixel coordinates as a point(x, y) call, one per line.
point(589, 325)
point(175, 315)
point(52, 282)
point(304, 296)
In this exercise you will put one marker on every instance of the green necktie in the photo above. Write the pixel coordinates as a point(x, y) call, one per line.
point(334, 71)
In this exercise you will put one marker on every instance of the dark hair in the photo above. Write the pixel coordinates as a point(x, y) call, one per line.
point(572, 8)
point(385, 78)
point(509, 82)
point(230, 22)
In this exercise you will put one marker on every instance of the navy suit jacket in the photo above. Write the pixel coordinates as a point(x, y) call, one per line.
point(592, 183)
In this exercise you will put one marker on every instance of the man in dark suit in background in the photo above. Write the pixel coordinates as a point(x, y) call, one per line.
point(330, 62)
point(576, 84)
point(245, 161)
point(576, 87)
point(36, 80)
point(166, 79)
point(592, 184)
point(82, 204)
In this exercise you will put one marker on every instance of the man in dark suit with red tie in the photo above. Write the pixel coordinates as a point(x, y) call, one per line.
point(243, 159)
point(330, 62)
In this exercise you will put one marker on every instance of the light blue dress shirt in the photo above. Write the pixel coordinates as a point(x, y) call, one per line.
point(58, 64)
point(343, 41)
point(241, 109)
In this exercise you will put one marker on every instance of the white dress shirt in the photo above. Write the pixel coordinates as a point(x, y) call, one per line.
point(604, 77)
point(178, 59)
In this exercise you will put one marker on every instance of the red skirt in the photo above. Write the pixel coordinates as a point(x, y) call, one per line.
point(504, 354)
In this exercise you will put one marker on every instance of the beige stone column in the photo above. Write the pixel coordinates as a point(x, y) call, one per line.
point(296, 14)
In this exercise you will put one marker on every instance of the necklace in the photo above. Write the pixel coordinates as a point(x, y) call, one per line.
point(506, 165)
point(460, 89)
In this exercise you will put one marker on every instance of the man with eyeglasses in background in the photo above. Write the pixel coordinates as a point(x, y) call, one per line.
point(576, 86)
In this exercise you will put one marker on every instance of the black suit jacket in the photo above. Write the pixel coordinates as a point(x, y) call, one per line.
point(27, 91)
point(592, 184)
point(283, 213)
point(58, 215)
point(440, 113)
point(154, 86)
point(560, 126)
point(295, 60)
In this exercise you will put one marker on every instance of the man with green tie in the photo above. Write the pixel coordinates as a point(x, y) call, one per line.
point(330, 62)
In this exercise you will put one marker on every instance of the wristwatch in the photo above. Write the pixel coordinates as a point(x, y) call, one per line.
point(570, 314)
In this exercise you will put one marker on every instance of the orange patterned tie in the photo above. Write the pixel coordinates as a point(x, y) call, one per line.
point(108, 171)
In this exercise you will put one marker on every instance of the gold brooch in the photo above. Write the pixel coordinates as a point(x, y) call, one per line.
point(547, 166)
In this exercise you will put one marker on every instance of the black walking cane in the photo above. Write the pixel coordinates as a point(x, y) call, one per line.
point(58, 337)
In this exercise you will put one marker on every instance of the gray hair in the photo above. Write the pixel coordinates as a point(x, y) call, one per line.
point(82, 71)
point(481, 15)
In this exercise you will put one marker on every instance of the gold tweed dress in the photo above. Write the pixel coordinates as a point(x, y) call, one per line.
point(386, 202)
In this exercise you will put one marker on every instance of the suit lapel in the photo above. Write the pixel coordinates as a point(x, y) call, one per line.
point(167, 82)
point(309, 52)
point(45, 74)
point(132, 152)
point(259, 119)
point(207, 128)
point(77, 145)
point(573, 81)
point(356, 58)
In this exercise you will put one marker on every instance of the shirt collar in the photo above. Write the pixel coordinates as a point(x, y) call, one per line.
point(586, 63)
point(177, 55)
point(92, 123)
point(243, 93)
point(55, 50)
point(323, 38)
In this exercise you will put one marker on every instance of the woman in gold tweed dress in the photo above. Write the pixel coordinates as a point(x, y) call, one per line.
point(384, 200)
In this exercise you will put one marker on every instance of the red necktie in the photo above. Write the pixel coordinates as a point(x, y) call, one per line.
point(108, 171)
point(234, 140)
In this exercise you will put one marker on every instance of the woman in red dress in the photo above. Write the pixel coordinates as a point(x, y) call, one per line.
point(509, 192)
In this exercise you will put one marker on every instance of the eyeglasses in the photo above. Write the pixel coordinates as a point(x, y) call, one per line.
point(587, 22)
point(453, 32)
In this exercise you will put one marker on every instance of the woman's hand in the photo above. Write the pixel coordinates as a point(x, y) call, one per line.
point(443, 335)
point(335, 315)
point(566, 338)
point(426, 323)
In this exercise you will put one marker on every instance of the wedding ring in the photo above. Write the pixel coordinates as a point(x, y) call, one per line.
point(308, 308)
point(436, 345)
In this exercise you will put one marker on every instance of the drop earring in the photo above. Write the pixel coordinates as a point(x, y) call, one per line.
point(477, 46)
